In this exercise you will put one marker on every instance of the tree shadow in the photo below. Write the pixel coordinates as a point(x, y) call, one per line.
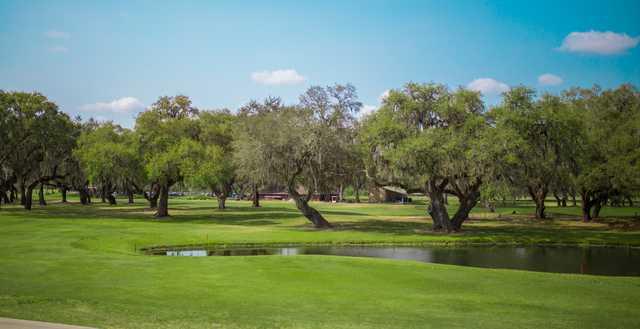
point(383, 226)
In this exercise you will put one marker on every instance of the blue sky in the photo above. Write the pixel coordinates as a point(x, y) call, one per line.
point(111, 59)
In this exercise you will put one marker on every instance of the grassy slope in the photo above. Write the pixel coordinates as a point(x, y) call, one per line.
point(77, 264)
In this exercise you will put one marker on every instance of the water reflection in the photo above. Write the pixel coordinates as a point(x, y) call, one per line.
point(588, 260)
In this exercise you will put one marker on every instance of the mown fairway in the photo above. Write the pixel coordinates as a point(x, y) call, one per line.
point(77, 264)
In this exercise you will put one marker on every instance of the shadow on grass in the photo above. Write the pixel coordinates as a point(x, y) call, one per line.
point(202, 215)
point(503, 232)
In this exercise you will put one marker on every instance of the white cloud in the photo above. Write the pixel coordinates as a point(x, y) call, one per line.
point(488, 86)
point(367, 109)
point(384, 95)
point(58, 49)
point(54, 34)
point(278, 77)
point(595, 42)
point(549, 79)
point(121, 106)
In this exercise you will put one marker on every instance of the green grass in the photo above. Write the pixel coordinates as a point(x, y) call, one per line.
point(76, 264)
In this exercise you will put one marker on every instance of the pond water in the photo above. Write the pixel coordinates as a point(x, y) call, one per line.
point(561, 259)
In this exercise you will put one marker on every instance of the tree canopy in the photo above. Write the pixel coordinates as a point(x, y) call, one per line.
point(425, 138)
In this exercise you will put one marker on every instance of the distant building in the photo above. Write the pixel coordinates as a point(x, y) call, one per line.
point(388, 194)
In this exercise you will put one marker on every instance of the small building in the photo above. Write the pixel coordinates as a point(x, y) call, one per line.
point(388, 194)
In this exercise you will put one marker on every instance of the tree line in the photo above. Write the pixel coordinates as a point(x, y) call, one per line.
point(582, 144)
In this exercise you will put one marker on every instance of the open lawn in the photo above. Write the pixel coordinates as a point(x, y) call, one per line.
point(80, 265)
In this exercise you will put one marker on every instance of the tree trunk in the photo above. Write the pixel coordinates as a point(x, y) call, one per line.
point(153, 202)
point(573, 200)
point(539, 194)
point(558, 200)
point(84, 195)
point(41, 199)
point(28, 198)
point(467, 203)
point(153, 195)
point(302, 203)
point(437, 209)
point(163, 204)
point(12, 195)
point(356, 191)
point(221, 202)
point(596, 209)
point(586, 206)
point(256, 196)
point(63, 191)
point(23, 195)
point(111, 198)
point(221, 196)
point(310, 213)
point(130, 196)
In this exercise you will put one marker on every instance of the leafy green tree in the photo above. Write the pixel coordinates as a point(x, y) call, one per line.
point(300, 147)
point(539, 140)
point(109, 160)
point(427, 138)
point(248, 167)
point(608, 161)
point(213, 168)
point(39, 139)
point(167, 132)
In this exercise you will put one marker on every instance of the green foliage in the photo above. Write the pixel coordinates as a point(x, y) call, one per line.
point(37, 140)
point(608, 164)
point(108, 154)
point(212, 166)
point(165, 133)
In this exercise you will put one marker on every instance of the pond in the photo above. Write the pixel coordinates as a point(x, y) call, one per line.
point(618, 261)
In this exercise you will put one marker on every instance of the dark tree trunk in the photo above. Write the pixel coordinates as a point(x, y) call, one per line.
point(302, 203)
point(573, 199)
point(310, 213)
point(256, 196)
point(221, 202)
point(163, 204)
point(153, 202)
point(23, 195)
point(596, 209)
point(130, 196)
point(84, 196)
point(28, 198)
point(356, 191)
point(437, 209)
point(12, 195)
point(630, 200)
point(539, 194)
point(467, 203)
point(111, 198)
point(41, 199)
point(586, 206)
point(63, 191)
point(153, 195)
point(558, 199)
